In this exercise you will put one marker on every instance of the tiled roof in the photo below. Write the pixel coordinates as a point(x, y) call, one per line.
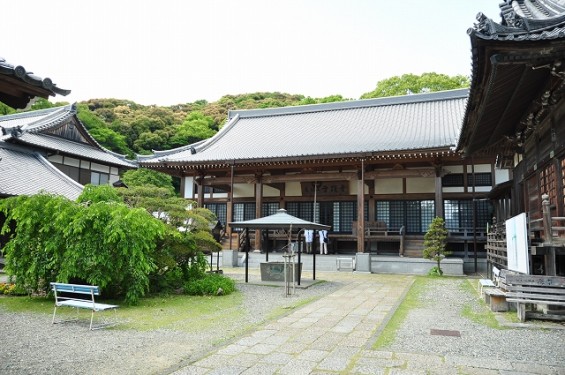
point(18, 86)
point(81, 150)
point(517, 75)
point(28, 173)
point(411, 122)
point(523, 20)
point(31, 128)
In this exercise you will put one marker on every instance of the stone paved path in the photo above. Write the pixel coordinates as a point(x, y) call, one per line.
point(334, 335)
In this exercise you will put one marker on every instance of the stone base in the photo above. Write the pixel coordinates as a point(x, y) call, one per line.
point(274, 271)
point(415, 266)
point(363, 262)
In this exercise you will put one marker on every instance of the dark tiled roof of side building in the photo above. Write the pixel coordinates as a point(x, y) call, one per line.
point(410, 122)
point(19, 86)
point(31, 128)
point(27, 173)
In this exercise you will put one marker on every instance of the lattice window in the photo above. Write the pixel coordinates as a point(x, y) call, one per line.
point(481, 179)
point(459, 215)
point(269, 208)
point(415, 216)
point(453, 180)
point(548, 183)
point(243, 211)
point(220, 210)
point(347, 214)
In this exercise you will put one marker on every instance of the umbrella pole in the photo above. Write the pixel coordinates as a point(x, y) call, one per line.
point(246, 255)
point(314, 255)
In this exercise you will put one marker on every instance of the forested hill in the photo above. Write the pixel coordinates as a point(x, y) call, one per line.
point(129, 128)
point(126, 127)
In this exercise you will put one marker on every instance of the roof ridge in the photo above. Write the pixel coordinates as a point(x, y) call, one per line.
point(352, 104)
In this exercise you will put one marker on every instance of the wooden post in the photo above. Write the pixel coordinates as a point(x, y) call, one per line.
point(361, 210)
point(258, 209)
point(549, 258)
point(547, 232)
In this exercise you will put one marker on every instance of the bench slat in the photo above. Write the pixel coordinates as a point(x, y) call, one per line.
point(536, 301)
point(534, 296)
point(533, 289)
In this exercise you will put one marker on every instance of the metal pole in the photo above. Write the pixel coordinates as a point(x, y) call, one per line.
point(299, 241)
point(247, 255)
point(314, 255)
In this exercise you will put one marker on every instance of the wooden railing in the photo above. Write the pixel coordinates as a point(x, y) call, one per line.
point(496, 245)
point(552, 226)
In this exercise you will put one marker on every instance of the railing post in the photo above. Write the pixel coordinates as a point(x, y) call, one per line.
point(547, 231)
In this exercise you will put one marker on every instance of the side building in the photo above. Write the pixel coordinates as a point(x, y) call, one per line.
point(516, 114)
point(377, 171)
point(49, 149)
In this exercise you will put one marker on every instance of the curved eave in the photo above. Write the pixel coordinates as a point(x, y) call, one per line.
point(293, 161)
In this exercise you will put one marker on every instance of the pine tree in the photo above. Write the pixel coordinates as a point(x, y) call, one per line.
point(435, 241)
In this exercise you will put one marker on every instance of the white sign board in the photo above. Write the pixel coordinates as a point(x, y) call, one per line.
point(517, 244)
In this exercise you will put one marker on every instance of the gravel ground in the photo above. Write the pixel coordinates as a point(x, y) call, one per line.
point(30, 344)
point(440, 308)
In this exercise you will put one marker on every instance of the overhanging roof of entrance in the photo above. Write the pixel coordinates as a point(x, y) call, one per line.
point(413, 122)
point(518, 71)
point(19, 86)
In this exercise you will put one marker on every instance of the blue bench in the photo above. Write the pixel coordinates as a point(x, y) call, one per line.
point(70, 295)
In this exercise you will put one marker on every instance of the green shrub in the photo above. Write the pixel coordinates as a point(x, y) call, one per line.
point(210, 284)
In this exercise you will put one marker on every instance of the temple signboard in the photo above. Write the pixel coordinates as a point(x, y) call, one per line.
point(325, 188)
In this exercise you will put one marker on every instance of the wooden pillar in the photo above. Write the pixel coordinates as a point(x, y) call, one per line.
point(438, 192)
point(549, 257)
point(229, 208)
point(200, 200)
point(361, 209)
point(258, 206)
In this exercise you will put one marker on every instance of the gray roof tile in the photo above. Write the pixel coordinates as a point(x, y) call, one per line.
point(25, 173)
point(412, 122)
point(34, 124)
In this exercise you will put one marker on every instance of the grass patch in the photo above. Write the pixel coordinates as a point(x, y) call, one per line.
point(410, 302)
point(177, 312)
point(477, 312)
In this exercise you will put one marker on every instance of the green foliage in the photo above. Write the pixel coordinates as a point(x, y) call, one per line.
point(414, 84)
point(37, 247)
point(211, 284)
point(99, 193)
point(195, 128)
point(144, 176)
point(102, 243)
point(6, 110)
point(435, 241)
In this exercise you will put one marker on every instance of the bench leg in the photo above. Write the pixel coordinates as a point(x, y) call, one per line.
point(54, 313)
point(521, 311)
point(91, 319)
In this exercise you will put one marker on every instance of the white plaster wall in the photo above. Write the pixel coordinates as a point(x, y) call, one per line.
point(479, 168)
point(243, 190)
point(56, 159)
point(420, 185)
point(71, 161)
point(293, 189)
point(99, 167)
point(269, 191)
point(501, 175)
point(388, 186)
point(188, 187)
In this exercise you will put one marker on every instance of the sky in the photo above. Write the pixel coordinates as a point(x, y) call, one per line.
point(171, 52)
